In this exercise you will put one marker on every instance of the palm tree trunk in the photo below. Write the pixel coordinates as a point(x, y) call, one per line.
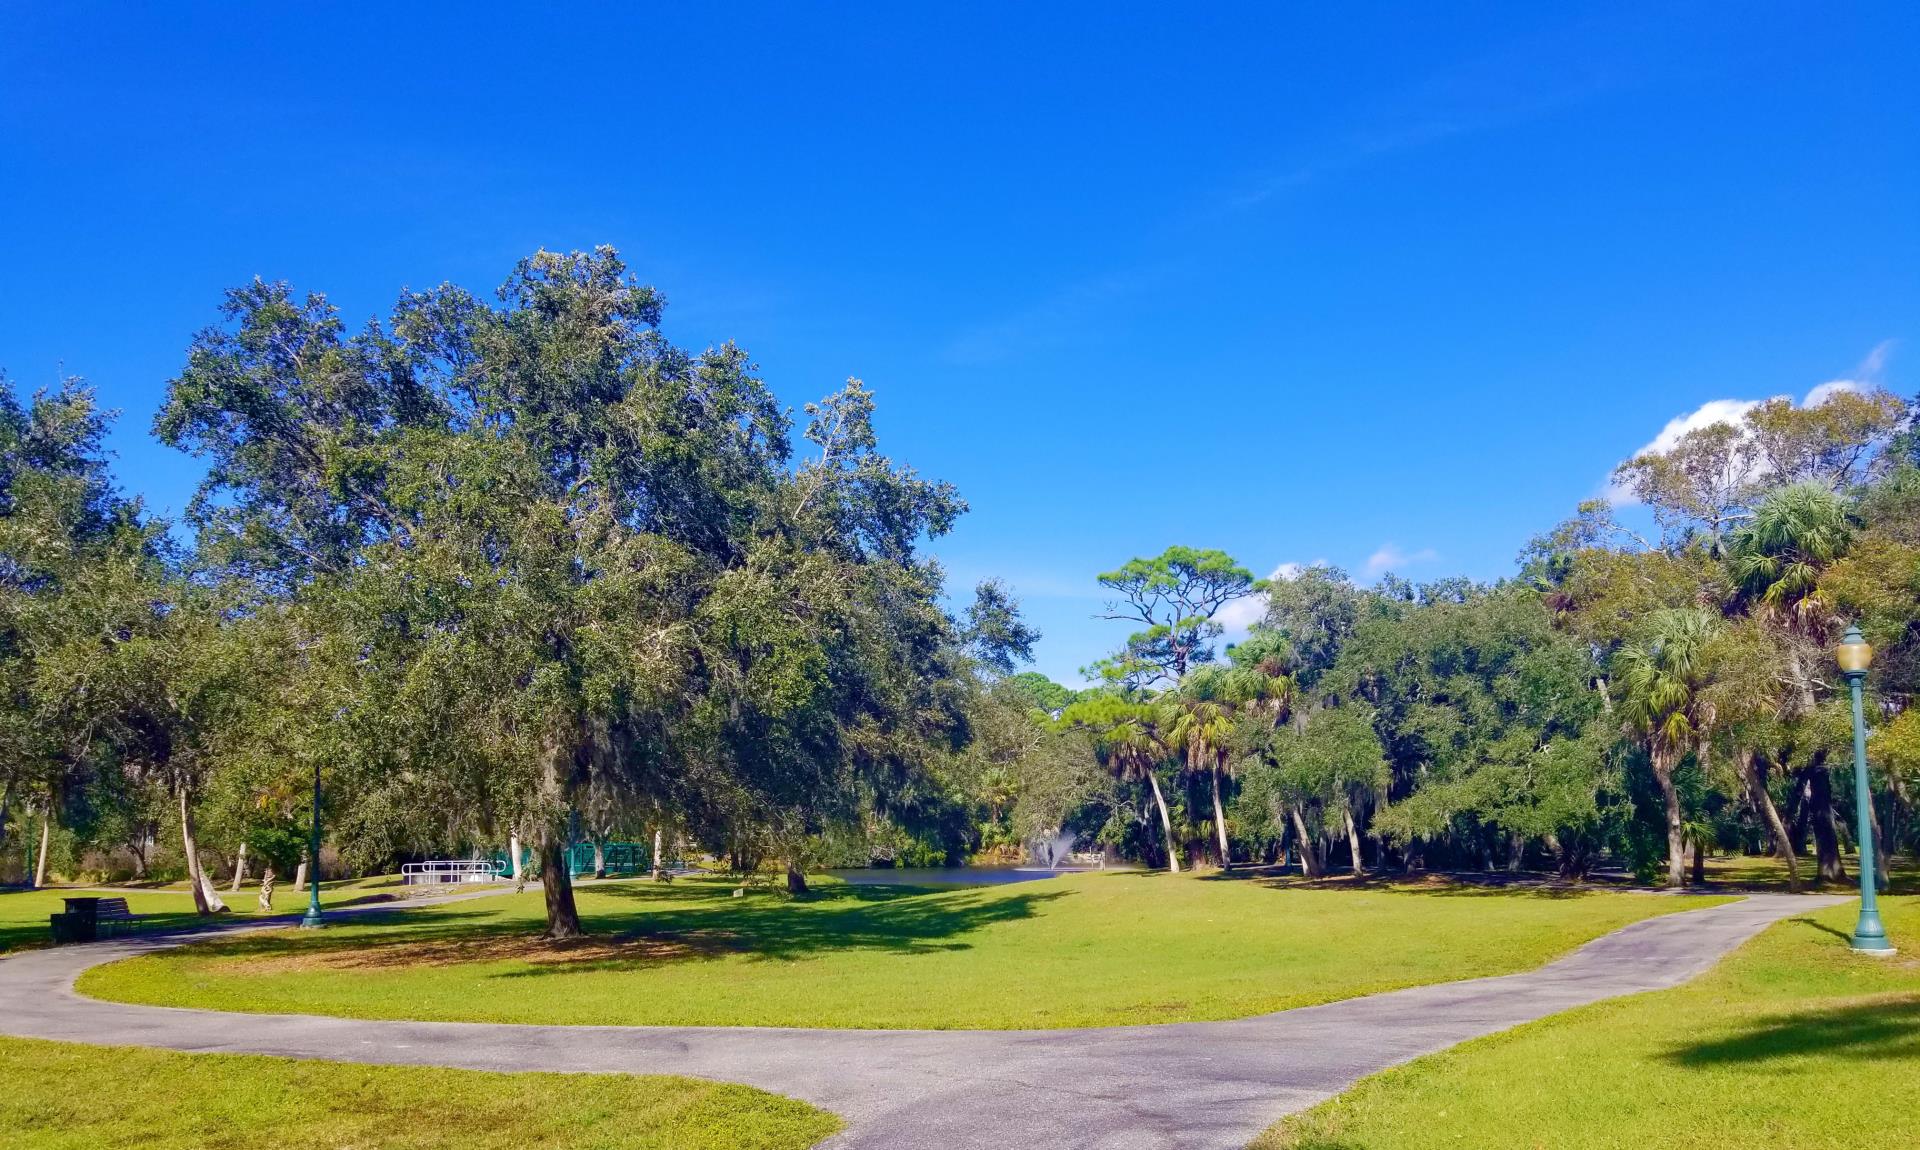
point(195, 880)
point(239, 869)
point(1676, 825)
point(1757, 793)
point(1220, 824)
point(46, 835)
point(1166, 822)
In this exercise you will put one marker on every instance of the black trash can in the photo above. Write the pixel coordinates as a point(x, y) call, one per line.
point(80, 923)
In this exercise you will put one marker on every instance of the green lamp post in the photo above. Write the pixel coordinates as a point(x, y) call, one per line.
point(1854, 656)
point(312, 917)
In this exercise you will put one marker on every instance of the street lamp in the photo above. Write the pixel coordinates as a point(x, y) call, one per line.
point(312, 917)
point(1854, 656)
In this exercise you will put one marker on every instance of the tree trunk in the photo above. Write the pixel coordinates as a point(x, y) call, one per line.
point(239, 869)
point(195, 880)
point(46, 835)
point(1754, 774)
point(796, 878)
point(1353, 843)
point(599, 858)
point(213, 894)
point(1220, 824)
point(1676, 825)
point(563, 918)
point(1699, 863)
point(656, 854)
point(266, 888)
point(6, 800)
point(1166, 823)
point(300, 877)
point(1310, 864)
point(1880, 867)
point(513, 855)
point(1826, 831)
point(1516, 853)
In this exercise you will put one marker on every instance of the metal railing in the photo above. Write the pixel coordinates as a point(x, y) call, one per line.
point(444, 872)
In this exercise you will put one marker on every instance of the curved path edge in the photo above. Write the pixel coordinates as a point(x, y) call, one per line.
point(1191, 1086)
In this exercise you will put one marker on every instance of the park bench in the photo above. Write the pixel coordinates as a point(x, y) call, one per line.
point(88, 918)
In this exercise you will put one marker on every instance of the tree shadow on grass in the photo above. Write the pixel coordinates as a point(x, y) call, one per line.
point(1867, 1031)
point(1435, 883)
point(663, 925)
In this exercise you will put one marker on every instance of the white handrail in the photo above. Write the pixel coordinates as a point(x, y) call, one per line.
point(439, 872)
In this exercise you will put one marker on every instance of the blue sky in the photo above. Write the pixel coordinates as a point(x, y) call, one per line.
point(1384, 285)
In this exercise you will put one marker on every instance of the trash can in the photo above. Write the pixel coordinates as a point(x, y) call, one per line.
point(80, 922)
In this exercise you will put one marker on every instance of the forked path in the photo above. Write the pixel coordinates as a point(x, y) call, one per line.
point(1198, 1085)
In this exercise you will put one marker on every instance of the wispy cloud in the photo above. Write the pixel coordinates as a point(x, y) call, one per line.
point(1390, 557)
point(1521, 81)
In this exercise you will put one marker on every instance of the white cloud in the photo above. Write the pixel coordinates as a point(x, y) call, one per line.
point(1390, 558)
point(1241, 614)
point(1866, 376)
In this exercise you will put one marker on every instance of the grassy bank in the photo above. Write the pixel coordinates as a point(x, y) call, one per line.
point(1085, 950)
point(1792, 1042)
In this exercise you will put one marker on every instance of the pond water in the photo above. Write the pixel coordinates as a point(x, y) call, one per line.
point(948, 876)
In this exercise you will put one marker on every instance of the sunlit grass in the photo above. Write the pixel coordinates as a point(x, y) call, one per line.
point(59, 1096)
point(1085, 950)
point(23, 913)
point(1792, 1042)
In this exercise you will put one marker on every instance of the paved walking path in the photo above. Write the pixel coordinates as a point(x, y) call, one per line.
point(1192, 1086)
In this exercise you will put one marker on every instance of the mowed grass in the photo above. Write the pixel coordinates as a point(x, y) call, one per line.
point(59, 1096)
point(1792, 1042)
point(23, 913)
point(1083, 950)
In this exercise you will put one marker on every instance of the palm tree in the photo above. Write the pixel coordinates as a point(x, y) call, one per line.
point(1778, 559)
point(1128, 737)
point(1795, 534)
point(1663, 677)
point(1203, 728)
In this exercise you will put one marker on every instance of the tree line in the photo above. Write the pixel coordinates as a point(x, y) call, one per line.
point(521, 567)
point(1640, 695)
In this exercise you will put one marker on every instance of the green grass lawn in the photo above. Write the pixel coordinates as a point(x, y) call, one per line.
point(60, 1096)
point(23, 914)
point(1084, 950)
point(1794, 1042)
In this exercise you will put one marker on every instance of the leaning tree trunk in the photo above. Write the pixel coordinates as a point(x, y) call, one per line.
point(1166, 823)
point(46, 836)
point(195, 879)
point(1220, 824)
point(239, 869)
point(1310, 859)
point(1676, 826)
point(563, 918)
point(1826, 830)
point(1755, 777)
